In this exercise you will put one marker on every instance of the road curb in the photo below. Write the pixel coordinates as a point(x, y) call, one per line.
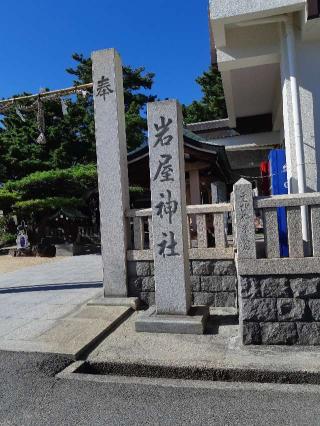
point(86, 369)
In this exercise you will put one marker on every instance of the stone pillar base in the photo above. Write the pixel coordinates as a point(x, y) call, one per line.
point(194, 323)
point(132, 302)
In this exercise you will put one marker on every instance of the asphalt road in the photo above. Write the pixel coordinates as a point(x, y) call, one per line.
point(30, 394)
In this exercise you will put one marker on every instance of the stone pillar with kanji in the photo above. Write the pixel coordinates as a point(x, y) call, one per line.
point(112, 168)
point(168, 201)
point(173, 312)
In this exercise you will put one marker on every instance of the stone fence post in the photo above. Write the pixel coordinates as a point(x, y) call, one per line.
point(244, 220)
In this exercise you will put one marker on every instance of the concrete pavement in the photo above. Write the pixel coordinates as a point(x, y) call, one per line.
point(219, 349)
point(41, 307)
point(31, 395)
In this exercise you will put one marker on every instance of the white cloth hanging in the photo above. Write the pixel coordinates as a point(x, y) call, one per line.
point(20, 115)
point(64, 106)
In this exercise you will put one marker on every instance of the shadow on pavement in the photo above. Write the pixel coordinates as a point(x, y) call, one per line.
point(51, 287)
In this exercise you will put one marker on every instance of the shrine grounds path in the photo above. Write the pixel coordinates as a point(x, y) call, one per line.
point(33, 297)
point(9, 263)
point(30, 394)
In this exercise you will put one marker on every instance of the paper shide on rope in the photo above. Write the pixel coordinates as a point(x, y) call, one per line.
point(64, 107)
point(20, 115)
point(6, 105)
point(41, 139)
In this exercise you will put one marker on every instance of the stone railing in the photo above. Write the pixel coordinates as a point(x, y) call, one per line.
point(303, 256)
point(208, 235)
point(89, 231)
point(279, 297)
point(292, 204)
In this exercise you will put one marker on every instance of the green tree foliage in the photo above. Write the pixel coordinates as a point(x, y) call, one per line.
point(42, 192)
point(212, 105)
point(7, 231)
point(70, 138)
point(28, 207)
point(7, 200)
point(136, 83)
point(73, 181)
point(50, 190)
point(40, 179)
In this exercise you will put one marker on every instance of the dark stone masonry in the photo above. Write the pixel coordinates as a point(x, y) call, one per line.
point(213, 282)
point(278, 310)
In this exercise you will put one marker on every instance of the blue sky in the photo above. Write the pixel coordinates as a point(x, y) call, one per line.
point(168, 37)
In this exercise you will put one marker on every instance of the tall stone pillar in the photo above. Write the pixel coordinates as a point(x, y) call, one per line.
point(111, 148)
point(169, 218)
point(168, 201)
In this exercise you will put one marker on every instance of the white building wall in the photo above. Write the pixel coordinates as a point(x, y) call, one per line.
point(249, 46)
point(236, 10)
point(308, 58)
point(308, 65)
point(244, 46)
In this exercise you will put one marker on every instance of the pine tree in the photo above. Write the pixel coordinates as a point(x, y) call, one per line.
point(70, 138)
point(212, 105)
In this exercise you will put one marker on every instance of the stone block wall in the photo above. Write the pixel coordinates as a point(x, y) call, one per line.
point(280, 310)
point(213, 282)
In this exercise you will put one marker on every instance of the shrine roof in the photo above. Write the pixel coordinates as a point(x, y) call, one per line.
point(190, 139)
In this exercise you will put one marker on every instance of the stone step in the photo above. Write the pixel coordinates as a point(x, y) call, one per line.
point(223, 321)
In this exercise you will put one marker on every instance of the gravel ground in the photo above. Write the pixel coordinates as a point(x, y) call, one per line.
point(10, 263)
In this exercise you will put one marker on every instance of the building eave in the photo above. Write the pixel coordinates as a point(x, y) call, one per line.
point(197, 144)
